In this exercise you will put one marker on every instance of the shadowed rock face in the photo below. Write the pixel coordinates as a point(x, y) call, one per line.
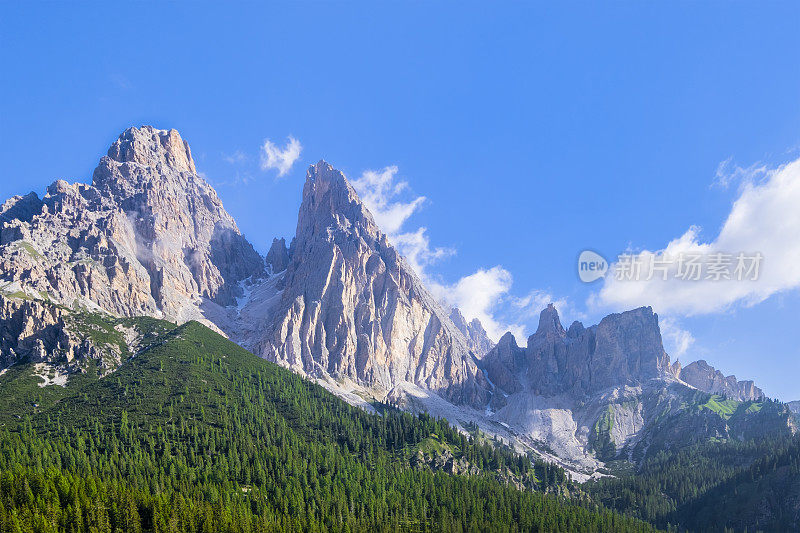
point(278, 256)
point(149, 236)
point(706, 378)
point(624, 349)
point(608, 392)
point(351, 306)
point(477, 339)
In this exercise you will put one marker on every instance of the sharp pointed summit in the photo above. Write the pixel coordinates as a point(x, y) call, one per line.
point(352, 308)
point(549, 322)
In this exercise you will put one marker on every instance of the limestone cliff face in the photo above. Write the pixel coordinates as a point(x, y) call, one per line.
point(623, 349)
point(706, 378)
point(351, 306)
point(477, 339)
point(59, 341)
point(32, 330)
point(149, 236)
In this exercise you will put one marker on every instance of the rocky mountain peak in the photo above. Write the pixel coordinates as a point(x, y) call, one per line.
point(352, 308)
point(21, 208)
point(477, 339)
point(508, 339)
point(151, 147)
point(549, 322)
point(278, 255)
point(149, 236)
point(575, 330)
point(330, 203)
point(623, 349)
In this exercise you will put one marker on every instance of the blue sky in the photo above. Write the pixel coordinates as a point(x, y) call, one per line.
point(532, 131)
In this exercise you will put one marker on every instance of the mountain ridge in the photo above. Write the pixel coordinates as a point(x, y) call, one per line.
point(339, 305)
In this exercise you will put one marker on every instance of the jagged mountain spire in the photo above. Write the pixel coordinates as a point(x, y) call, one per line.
point(351, 306)
point(549, 322)
point(477, 339)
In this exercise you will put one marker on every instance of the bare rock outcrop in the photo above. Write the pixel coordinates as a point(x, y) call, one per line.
point(278, 256)
point(706, 378)
point(32, 330)
point(478, 340)
point(40, 332)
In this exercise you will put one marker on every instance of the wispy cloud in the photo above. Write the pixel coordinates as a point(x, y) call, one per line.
point(120, 81)
point(677, 340)
point(235, 158)
point(531, 305)
point(729, 173)
point(379, 189)
point(273, 157)
point(480, 295)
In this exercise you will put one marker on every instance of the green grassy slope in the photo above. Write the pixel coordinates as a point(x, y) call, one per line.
point(196, 434)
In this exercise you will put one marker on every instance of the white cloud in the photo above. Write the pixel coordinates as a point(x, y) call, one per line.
point(764, 219)
point(282, 160)
point(677, 340)
point(377, 190)
point(531, 305)
point(480, 295)
point(416, 248)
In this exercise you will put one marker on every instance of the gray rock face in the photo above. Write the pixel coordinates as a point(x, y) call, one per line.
point(33, 330)
point(149, 236)
point(57, 339)
point(352, 308)
point(278, 256)
point(477, 339)
point(706, 378)
point(624, 349)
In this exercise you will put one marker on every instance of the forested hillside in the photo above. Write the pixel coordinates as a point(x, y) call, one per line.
point(196, 434)
point(716, 486)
